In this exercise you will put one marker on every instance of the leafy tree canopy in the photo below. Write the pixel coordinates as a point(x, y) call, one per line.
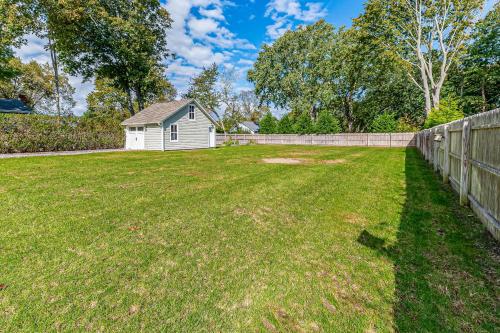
point(35, 83)
point(289, 73)
point(203, 88)
point(15, 21)
point(122, 40)
point(477, 79)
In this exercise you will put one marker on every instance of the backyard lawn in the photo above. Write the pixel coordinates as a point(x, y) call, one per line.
point(241, 239)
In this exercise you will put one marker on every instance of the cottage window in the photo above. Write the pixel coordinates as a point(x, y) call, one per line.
point(191, 112)
point(173, 133)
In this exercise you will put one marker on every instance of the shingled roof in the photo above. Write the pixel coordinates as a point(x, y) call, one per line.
point(157, 113)
point(13, 106)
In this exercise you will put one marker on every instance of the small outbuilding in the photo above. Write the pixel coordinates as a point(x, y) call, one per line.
point(249, 127)
point(174, 125)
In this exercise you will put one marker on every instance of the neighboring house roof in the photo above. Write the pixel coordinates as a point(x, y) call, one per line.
point(159, 112)
point(13, 106)
point(251, 126)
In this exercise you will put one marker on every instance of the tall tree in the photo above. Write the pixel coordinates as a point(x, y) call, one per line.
point(426, 36)
point(251, 109)
point(229, 100)
point(35, 84)
point(203, 88)
point(156, 87)
point(123, 40)
point(287, 73)
point(477, 80)
point(314, 68)
point(42, 11)
point(106, 101)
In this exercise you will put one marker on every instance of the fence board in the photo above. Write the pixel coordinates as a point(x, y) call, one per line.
point(343, 139)
point(473, 155)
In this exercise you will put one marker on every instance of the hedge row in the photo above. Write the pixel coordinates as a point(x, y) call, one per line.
point(40, 133)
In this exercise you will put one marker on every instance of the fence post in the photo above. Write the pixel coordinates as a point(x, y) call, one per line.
point(446, 155)
point(427, 149)
point(431, 146)
point(464, 157)
point(435, 145)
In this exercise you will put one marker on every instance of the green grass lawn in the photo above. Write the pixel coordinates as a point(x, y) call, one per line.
point(349, 240)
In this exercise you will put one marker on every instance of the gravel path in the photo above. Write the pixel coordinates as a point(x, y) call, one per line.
point(60, 153)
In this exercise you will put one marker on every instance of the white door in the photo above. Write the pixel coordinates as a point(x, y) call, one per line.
point(139, 135)
point(135, 138)
point(211, 137)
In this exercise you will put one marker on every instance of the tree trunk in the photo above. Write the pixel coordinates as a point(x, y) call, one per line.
point(436, 97)
point(140, 99)
point(130, 104)
point(350, 112)
point(483, 95)
point(55, 67)
point(425, 86)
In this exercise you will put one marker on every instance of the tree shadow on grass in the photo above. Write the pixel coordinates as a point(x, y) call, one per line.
point(446, 263)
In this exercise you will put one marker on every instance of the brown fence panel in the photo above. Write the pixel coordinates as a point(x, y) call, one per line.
point(468, 156)
point(343, 139)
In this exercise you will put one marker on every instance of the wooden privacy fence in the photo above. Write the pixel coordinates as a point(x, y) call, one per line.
point(345, 139)
point(467, 154)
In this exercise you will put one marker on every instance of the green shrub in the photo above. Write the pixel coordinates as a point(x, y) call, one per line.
point(384, 123)
point(327, 124)
point(285, 125)
point(447, 111)
point(39, 133)
point(231, 142)
point(268, 124)
point(304, 124)
point(405, 125)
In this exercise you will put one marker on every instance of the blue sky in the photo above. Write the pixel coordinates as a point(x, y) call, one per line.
point(227, 32)
point(230, 33)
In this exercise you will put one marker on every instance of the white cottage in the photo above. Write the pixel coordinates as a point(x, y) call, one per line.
point(183, 124)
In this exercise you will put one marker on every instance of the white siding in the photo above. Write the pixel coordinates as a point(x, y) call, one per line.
point(152, 137)
point(192, 134)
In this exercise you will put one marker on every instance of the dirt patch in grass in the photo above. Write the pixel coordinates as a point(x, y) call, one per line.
point(354, 218)
point(339, 161)
point(283, 160)
point(304, 153)
point(287, 160)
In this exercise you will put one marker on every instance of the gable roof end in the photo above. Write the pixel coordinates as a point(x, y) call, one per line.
point(159, 112)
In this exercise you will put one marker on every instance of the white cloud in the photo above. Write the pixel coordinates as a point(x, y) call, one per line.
point(247, 62)
point(278, 28)
point(34, 49)
point(285, 13)
point(200, 40)
point(215, 13)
